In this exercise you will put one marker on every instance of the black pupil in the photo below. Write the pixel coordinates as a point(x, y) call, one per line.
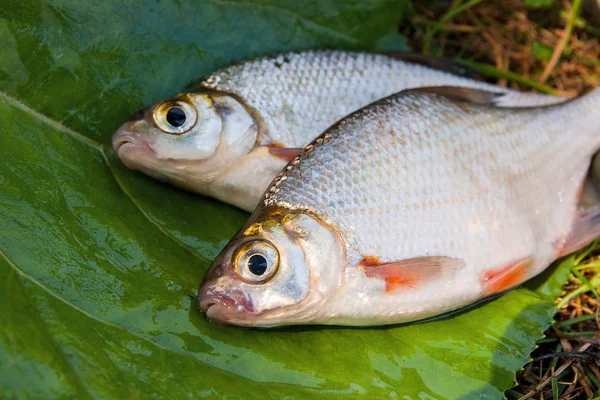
point(176, 117)
point(257, 264)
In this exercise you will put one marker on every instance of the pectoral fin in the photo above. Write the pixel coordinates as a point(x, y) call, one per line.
point(410, 273)
point(284, 153)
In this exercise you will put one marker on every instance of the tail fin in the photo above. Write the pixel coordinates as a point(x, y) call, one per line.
point(595, 171)
point(584, 231)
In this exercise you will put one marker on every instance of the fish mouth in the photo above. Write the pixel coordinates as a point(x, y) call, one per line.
point(130, 146)
point(225, 315)
point(136, 153)
point(226, 309)
point(213, 313)
point(120, 139)
point(126, 139)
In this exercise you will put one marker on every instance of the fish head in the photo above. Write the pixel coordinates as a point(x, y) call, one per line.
point(280, 271)
point(188, 140)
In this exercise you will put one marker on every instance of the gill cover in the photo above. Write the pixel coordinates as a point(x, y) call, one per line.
point(195, 125)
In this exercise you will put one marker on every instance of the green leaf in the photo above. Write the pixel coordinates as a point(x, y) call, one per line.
point(392, 42)
point(541, 52)
point(100, 265)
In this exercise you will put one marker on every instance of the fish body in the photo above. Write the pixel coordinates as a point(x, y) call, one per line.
point(412, 207)
point(234, 132)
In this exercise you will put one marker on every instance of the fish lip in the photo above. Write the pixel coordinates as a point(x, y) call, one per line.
point(205, 303)
point(119, 138)
point(224, 314)
point(214, 316)
point(122, 138)
point(126, 144)
point(225, 309)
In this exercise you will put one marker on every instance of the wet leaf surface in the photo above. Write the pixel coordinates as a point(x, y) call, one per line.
point(100, 265)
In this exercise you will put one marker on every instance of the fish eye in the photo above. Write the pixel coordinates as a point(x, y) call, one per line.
point(175, 116)
point(257, 264)
point(256, 261)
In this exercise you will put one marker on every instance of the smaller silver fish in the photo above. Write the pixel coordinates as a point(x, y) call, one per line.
point(419, 204)
point(230, 136)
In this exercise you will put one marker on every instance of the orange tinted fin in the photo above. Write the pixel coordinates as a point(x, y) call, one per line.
point(504, 278)
point(284, 153)
point(409, 273)
point(585, 229)
point(370, 261)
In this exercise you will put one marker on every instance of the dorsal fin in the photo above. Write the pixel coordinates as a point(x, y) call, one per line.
point(475, 96)
point(440, 64)
point(490, 97)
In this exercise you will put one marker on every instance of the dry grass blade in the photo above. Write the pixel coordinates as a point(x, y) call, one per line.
point(564, 40)
point(451, 13)
point(517, 44)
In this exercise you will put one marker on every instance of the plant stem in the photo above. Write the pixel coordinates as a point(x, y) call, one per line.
point(586, 252)
point(494, 72)
point(451, 13)
point(595, 281)
point(558, 50)
point(583, 25)
point(586, 282)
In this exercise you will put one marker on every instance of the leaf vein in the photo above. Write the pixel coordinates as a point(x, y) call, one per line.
point(78, 136)
point(58, 297)
point(145, 214)
point(48, 121)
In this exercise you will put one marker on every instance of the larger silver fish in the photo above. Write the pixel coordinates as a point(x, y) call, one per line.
point(230, 136)
point(409, 208)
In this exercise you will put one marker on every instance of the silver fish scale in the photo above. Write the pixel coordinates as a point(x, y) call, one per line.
point(419, 175)
point(298, 95)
